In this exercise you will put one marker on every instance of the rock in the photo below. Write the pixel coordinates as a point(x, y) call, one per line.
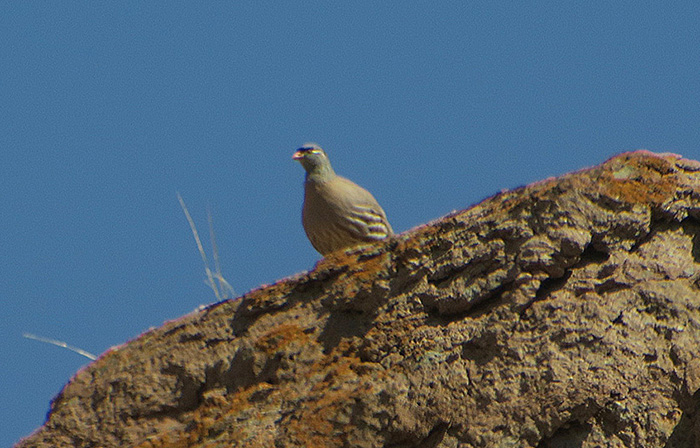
point(565, 313)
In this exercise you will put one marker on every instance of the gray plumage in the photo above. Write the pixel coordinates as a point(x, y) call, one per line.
point(337, 213)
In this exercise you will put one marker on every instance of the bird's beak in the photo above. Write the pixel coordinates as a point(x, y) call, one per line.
point(298, 155)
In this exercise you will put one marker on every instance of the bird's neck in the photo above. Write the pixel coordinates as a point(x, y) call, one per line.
point(321, 173)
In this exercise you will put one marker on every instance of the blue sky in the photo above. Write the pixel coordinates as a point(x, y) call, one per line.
point(111, 108)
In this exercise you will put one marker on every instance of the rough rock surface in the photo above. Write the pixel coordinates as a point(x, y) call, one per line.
point(562, 314)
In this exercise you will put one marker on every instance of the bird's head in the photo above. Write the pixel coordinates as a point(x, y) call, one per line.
point(314, 160)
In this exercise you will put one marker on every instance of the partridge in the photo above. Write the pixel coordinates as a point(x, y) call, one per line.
point(337, 213)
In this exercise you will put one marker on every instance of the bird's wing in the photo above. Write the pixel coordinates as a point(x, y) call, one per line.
point(363, 214)
point(368, 222)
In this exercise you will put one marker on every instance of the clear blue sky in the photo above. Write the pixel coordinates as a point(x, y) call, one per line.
point(110, 108)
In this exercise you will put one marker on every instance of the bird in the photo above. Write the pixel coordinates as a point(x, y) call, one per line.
point(337, 213)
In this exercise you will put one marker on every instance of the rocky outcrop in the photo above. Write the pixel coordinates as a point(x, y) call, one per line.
point(562, 314)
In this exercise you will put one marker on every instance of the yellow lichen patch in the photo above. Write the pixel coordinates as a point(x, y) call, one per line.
point(637, 193)
point(360, 278)
point(326, 417)
point(217, 416)
point(337, 258)
point(337, 365)
point(634, 191)
point(280, 337)
point(371, 267)
point(638, 178)
point(365, 273)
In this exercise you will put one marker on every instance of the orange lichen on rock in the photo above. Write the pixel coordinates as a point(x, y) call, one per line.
point(634, 178)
